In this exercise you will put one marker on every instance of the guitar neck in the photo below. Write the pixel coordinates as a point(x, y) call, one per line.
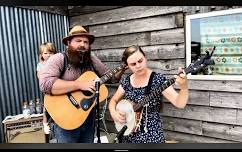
point(111, 73)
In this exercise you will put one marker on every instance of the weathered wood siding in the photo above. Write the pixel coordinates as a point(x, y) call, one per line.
point(214, 111)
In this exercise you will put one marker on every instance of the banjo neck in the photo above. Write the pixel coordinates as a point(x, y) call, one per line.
point(194, 67)
point(157, 92)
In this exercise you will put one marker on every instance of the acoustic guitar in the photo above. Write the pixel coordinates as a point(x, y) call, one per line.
point(133, 110)
point(70, 110)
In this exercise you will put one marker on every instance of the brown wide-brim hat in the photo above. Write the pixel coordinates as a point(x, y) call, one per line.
point(78, 31)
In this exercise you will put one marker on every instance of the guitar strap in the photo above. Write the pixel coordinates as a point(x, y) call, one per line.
point(65, 64)
point(147, 91)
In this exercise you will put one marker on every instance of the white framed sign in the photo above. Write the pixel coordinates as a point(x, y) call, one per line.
point(219, 29)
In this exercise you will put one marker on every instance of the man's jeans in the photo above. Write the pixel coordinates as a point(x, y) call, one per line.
point(83, 134)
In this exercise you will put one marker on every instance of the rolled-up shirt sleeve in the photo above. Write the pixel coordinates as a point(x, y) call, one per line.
point(51, 72)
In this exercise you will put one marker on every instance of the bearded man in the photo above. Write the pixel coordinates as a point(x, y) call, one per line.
point(80, 60)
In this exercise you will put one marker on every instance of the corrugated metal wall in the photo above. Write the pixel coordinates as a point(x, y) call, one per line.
point(21, 33)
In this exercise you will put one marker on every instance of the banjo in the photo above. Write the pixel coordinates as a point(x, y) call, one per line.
point(133, 111)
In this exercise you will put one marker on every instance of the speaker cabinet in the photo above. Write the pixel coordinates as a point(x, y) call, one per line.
point(25, 131)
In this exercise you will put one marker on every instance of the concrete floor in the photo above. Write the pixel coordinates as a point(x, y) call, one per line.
point(105, 137)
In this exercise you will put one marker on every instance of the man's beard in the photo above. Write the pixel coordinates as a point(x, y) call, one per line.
point(79, 58)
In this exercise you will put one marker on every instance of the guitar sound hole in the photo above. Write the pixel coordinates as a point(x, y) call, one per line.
point(87, 93)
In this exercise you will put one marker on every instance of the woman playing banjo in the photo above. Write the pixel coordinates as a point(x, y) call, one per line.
point(133, 88)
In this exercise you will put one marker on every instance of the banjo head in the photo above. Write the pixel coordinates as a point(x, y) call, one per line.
point(126, 107)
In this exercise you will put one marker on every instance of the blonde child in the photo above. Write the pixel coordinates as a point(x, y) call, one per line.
point(45, 51)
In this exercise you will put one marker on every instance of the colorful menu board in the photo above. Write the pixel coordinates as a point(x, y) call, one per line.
point(224, 32)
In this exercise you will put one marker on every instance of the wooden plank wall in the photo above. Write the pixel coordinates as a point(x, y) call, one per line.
point(214, 110)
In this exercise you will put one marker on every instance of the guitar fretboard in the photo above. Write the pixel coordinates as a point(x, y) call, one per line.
point(111, 73)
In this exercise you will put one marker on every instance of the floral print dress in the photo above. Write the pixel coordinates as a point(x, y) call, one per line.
point(151, 128)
